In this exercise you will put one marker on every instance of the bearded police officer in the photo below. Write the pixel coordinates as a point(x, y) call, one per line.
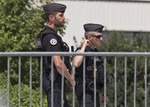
point(52, 42)
point(93, 35)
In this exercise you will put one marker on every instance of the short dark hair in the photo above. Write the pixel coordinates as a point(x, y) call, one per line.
point(47, 15)
point(88, 33)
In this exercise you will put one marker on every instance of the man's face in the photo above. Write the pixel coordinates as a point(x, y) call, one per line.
point(59, 19)
point(96, 38)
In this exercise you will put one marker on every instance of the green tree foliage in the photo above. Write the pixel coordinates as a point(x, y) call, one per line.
point(121, 42)
point(19, 25)
point(20, 22)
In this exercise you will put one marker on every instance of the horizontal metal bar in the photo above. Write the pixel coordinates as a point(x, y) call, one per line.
point(74, 53)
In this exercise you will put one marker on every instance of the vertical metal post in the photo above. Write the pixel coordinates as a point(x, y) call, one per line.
point(41, 80)
point(62, 84)
point(8, 81)
point(135, 66)
point(52, 82)
point(30, 81)
point(125, 83)
point(73, 73)
point(105, 81)
point(95, 70)
point(84, 82)
point(115, 76)
point(145, 78)
point(19, 83)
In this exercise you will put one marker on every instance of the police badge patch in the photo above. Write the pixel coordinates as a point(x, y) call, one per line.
point(53, 41)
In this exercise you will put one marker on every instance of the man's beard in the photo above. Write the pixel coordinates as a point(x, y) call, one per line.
point(57, 23)
point(96, 43)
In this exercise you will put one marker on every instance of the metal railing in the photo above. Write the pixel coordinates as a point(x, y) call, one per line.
point(114, 100)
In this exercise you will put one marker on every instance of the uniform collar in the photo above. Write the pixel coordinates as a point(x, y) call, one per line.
point(47, 27)
point(92, 50)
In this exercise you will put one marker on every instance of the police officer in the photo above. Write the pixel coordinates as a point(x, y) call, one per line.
point(93, 35)
point(52, 42)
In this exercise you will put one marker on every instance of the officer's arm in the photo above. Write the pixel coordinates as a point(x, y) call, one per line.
point(58, 63)
point(77, 60)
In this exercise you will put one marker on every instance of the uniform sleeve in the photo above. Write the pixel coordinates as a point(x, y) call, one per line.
point(77, 50)
point(51, 43)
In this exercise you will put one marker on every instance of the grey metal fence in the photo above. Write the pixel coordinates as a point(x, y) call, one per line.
point(125, 77)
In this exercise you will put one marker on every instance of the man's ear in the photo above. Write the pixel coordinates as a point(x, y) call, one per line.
point(89, 37)
point(51, 17)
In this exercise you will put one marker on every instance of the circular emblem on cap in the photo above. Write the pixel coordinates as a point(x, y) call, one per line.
point(53, 41)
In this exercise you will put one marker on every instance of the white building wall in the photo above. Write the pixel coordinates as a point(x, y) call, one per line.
point(120, 16)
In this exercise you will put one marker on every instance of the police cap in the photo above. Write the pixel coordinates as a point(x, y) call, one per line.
point(54, 7)
point(91, 27)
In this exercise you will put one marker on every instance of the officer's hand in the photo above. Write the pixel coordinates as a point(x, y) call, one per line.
point(104, 99)
point(71, 82)
point(69, 85)
point(85, 42)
